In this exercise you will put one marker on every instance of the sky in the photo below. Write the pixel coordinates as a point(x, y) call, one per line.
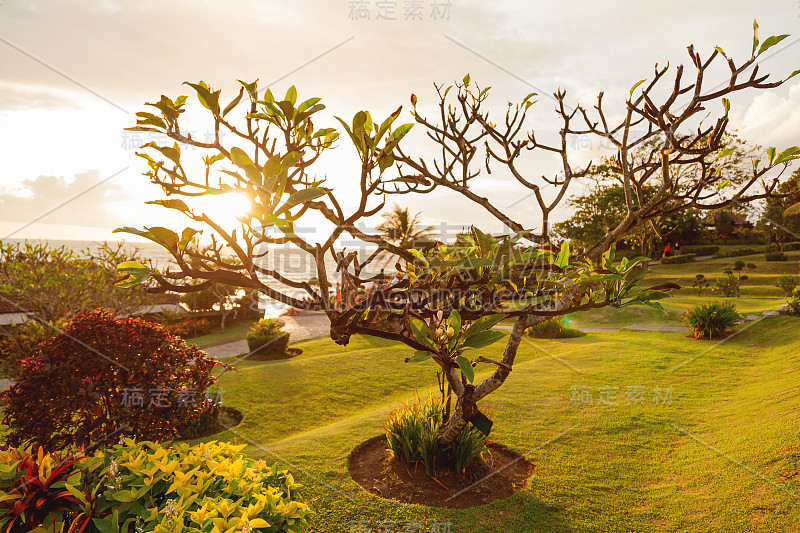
point(73, 72)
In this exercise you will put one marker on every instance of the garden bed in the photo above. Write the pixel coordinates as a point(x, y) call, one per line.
point(504, 473)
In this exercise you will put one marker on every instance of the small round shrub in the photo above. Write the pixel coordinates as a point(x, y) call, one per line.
point(556, 327)
point(103, 375)
point(711, 320)
point(267, 338)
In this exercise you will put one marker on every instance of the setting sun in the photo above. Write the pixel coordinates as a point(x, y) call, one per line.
point(224, 208)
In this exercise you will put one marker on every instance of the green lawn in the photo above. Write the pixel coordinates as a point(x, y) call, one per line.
point(761, 282)
point(758, 293)
point(233, 332)
point(675, 307)
point(724, 455)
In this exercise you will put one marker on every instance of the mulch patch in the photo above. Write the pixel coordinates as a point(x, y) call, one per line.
point(290, 352)
point(503, 473)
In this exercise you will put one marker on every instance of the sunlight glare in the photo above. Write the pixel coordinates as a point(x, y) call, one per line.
point(224, 208)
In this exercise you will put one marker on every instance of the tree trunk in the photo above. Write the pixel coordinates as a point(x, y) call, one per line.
point(464, 411)
point(469, 395)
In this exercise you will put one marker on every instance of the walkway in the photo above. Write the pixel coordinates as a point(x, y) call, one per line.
point(304, 325)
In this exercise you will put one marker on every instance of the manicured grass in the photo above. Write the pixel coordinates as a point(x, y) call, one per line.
point(233, 332)
point(650, 467)
point(761, 281)
point(758, 293)
point(674, 307)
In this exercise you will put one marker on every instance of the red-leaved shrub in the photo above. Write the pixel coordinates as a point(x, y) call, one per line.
point(103, 376)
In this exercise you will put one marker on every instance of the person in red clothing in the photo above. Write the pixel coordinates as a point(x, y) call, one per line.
point(667, 250)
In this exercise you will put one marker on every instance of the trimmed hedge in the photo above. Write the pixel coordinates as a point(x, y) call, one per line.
point(776, 256)
point(737, 252)
point(701, 249)
point(678, 259)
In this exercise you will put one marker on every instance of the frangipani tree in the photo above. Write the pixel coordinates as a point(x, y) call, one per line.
point(450, 295)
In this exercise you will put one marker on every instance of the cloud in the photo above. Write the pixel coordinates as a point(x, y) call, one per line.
point(83, 200)
point(131, 52)
point(20, 96)
point(773, 118)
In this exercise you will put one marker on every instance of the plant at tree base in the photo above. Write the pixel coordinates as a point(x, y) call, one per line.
point(104, 376)
point(448, 288)
point(711, 320)
point(412, 436)
point(700, 282)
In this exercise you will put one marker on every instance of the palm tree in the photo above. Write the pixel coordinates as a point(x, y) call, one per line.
point(403, 230)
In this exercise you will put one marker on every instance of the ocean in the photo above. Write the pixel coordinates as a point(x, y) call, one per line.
point(288, 261)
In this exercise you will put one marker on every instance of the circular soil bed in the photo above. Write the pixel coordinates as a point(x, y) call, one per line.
point(228, 418)
point(504, 473)
point(288, 354)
